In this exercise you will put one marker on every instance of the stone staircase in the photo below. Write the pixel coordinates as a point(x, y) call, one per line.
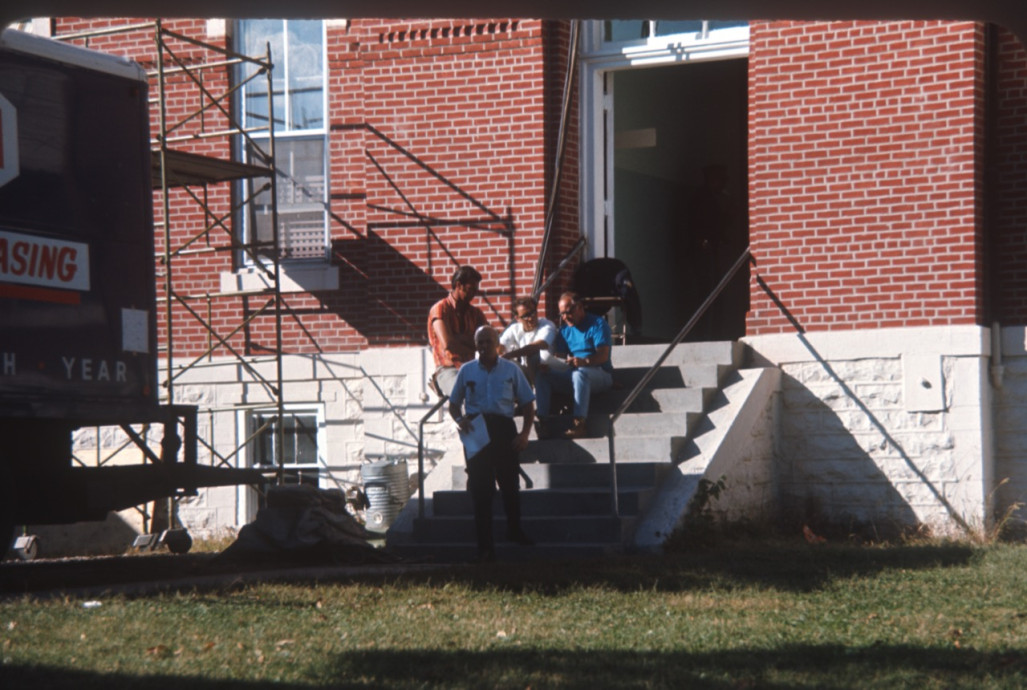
point(566, 492)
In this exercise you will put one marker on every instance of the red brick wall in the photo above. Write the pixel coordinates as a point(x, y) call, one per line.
point(566, 222)
point(1010, 179)
point(864, 146)
point(437, 155)
point(865, 181)
point(460, 160)
point(437, 159)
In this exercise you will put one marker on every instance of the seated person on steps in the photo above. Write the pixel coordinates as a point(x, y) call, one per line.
point(451, 325)
point(585, 346)
point(529, 339)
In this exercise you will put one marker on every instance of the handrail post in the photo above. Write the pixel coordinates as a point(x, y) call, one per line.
point(614, 492)
point(420, 454)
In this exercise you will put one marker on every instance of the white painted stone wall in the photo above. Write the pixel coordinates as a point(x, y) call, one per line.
point(734, 443)
point(747, 463)
point(1011, 427)
point(373, 402)
point(885, 428)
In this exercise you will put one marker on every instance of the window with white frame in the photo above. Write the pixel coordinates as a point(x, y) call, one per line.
point(298, 95)
point(300, 452)
point(624, 30)
point(618, 43)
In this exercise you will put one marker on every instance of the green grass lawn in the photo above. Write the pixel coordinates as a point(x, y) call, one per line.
point(755, 615)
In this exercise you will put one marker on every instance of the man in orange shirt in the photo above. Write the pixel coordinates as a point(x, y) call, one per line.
point(452, 322)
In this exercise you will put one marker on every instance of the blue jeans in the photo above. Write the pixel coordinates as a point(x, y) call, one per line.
point(582, 383)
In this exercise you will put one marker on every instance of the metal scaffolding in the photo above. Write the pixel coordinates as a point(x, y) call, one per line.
point(183, 64)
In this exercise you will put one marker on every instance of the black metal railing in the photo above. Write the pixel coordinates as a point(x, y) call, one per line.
point(561, 146)
point(644, 381)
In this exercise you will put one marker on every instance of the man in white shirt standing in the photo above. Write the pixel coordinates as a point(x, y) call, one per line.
point(529, 339)
point(496, 390)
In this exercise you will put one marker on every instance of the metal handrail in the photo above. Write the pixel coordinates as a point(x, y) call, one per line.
point(554, 274)
point(637, 390)
point(420, 454)
point(561, 145)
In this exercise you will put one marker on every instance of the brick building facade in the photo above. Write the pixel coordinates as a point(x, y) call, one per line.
point(883, 167)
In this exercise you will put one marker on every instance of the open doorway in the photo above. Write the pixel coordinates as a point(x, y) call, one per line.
point(676, 186)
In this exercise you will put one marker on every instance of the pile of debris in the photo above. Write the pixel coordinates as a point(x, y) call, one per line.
point(302, 523)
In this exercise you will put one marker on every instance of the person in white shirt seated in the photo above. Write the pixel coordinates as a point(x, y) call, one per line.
point(529, 339)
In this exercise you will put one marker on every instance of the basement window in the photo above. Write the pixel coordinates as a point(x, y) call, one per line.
point(300, 452)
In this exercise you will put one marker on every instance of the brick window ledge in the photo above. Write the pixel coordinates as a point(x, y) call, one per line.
point(312, 277)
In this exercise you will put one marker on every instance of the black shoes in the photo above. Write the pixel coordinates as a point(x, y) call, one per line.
point(516, 536)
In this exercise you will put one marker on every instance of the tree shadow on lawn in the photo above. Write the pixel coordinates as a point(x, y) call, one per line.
point(821, 666)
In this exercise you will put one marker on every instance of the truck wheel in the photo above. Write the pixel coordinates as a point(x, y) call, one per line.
point(177, 540)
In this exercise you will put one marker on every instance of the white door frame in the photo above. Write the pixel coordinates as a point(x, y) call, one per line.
point(596, 136)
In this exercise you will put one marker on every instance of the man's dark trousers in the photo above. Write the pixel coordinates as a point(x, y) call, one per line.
point(495, 463)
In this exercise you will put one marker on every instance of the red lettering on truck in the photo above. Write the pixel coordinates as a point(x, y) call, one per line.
point(43, 262)
point(46, 262)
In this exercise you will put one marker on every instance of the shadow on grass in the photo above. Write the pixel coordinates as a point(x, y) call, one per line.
point(797, 567)
point(820, 666)
point(786, 566)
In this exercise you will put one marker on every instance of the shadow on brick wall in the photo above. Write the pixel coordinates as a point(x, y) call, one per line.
point(385, 296)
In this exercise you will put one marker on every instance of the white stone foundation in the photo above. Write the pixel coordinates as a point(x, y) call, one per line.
point(371, 404)
point(884, 429)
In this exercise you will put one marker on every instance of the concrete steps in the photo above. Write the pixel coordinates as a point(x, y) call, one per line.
point(659, 446)
point(574, 501)
point(566, 501)
point(564, 475)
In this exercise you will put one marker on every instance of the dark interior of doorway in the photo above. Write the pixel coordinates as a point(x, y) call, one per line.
point(672, 126)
